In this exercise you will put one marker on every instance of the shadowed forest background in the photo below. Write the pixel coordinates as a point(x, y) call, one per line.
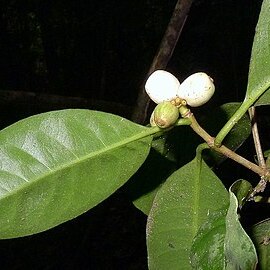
point(96, 54)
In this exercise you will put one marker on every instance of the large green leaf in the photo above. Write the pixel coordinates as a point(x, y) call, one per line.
point(239, 250)
point(261, 239)
point(181, 205)
point(57, 165)
point(259, 71)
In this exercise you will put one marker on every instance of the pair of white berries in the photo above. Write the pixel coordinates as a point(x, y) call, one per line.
point(196, 90)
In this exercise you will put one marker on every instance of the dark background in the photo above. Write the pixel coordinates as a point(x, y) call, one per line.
point(96, 54)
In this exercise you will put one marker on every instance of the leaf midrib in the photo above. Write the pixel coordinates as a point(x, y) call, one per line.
point(147, 132)
point(196, 196)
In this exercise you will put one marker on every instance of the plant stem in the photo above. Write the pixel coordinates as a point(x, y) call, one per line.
point(183, 122)
point(256, 137)
point(260, 187)
point(249, 100)
point(263, 172)
point(155, 130)
point(232, 121)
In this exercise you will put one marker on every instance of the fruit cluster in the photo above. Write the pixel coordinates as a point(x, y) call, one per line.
point(165, 90)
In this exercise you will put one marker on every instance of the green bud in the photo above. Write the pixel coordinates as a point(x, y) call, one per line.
point(152, 120)
point(165, 114)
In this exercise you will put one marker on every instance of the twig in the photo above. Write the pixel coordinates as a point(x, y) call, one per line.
point(256, 137)
point(263, 172)
point(163, 55)
point(260, 187)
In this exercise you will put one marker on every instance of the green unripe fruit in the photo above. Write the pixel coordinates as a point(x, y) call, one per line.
point(165, 114)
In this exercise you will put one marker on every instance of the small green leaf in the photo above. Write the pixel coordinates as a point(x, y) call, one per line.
point(181, 205)
point(241, 189)
point(259, 72)
point(239, 250)
point(261, 238)
point(57, 165)
point(207, 251)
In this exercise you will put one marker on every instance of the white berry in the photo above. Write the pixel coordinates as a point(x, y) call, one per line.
point(197, 89)
point(162, 86)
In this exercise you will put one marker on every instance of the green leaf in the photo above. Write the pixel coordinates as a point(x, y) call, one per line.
point(239, 250)
point(259, 72)
point(261, 239)
point(181, 205)
point(57, 165)
point(241, 189)
point(207, 251)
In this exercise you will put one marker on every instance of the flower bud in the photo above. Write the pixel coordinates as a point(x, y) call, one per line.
point(165, 114)
point(197, 89)
point(162, 86)
point(152, 120)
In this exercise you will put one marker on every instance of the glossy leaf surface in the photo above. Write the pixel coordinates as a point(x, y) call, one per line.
point(239, 250)
point(259, 74)
point(57, 165)
point(181, 205)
